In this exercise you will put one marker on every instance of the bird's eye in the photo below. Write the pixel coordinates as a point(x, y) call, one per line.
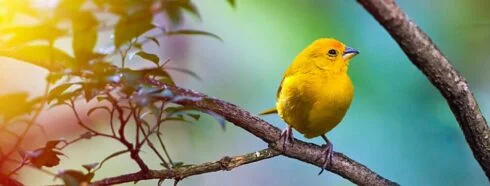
point(332, 52)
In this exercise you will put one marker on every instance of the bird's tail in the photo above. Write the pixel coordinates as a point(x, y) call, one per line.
point(269, 111)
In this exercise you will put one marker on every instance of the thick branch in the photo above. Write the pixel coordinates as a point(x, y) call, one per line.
point(225, 164)
point(431, 61)
point(306, 152)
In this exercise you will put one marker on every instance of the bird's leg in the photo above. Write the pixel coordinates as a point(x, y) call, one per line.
point(327, 152)
point(287, 137)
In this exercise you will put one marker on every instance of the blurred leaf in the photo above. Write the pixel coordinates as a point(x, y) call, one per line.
point(75, 177)
point(84, 35)
point(52, 144)
point(52, 59)
point(46, 156)
point(195, 116)
point(54, 77)
point(193, 32)
point(150, 57)
point(113, 155)
point(154, 39)
point(232, 3)
point(173, 9)
point(66, 8)
point(67, 96)
point(9, 181)
point(185, 71)
point(55, 92)
point(89, 91)
point(25, 34)
point(132, 26)
point(14, 104)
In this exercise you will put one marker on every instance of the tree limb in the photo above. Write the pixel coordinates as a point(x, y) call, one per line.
point(306, 152)
point(431, 61)
point(224, 164)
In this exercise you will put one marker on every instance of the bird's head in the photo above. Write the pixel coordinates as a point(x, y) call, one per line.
point(327, 54)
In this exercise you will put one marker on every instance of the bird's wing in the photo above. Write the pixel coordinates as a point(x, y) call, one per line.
point(274, 109)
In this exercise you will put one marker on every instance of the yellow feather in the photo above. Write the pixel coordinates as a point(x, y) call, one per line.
point(316, 90)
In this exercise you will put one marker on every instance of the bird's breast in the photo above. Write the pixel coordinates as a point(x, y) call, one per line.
point(314, 105)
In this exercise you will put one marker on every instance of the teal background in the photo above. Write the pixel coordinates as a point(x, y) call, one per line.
point(398, 125)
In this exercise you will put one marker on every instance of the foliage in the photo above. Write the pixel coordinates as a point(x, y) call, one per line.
point(125, 94)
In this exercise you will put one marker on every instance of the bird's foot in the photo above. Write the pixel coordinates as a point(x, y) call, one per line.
point(327, 153)
point(287, 137)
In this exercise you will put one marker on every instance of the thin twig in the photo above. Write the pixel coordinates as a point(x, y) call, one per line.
point(225, 164)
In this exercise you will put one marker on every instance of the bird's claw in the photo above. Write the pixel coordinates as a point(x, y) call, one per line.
point(287, 137)
point(327, 153)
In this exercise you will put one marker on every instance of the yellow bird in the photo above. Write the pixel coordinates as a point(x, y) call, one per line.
point(316, 92)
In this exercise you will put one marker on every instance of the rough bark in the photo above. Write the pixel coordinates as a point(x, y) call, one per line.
point(431, 61)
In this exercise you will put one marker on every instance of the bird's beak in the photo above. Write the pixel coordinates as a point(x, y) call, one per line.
point(349, 53)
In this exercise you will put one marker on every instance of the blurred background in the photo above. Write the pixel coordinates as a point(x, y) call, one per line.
point(398, 125)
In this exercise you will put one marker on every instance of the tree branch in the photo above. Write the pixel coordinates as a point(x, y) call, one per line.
point(431, 61)
point(225, 164)
point(306, 152)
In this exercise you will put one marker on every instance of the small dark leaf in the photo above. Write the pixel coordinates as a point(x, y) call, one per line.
point(178, 164)
point(193, 32)
point(232, 3)
point(154, 39)
point(150, 57)
point(55, 92)
point(44, 157)
point(52, 144)
point(191, 73)
point(110, 157)
point(195, 116)
point(91, 166)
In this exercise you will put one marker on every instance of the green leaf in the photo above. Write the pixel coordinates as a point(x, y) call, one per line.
point(193, 32)
point(232, 3)
point(52, 59)
point(113, 155)
point(25, 34)
point(54, 77)
point(84, 35)
point(150, 57)
point(89, 91)
point(195, 116)
point(55, 92)
point(154, 39)
point(14, 104)
point(132, 26)
point(185, 71)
